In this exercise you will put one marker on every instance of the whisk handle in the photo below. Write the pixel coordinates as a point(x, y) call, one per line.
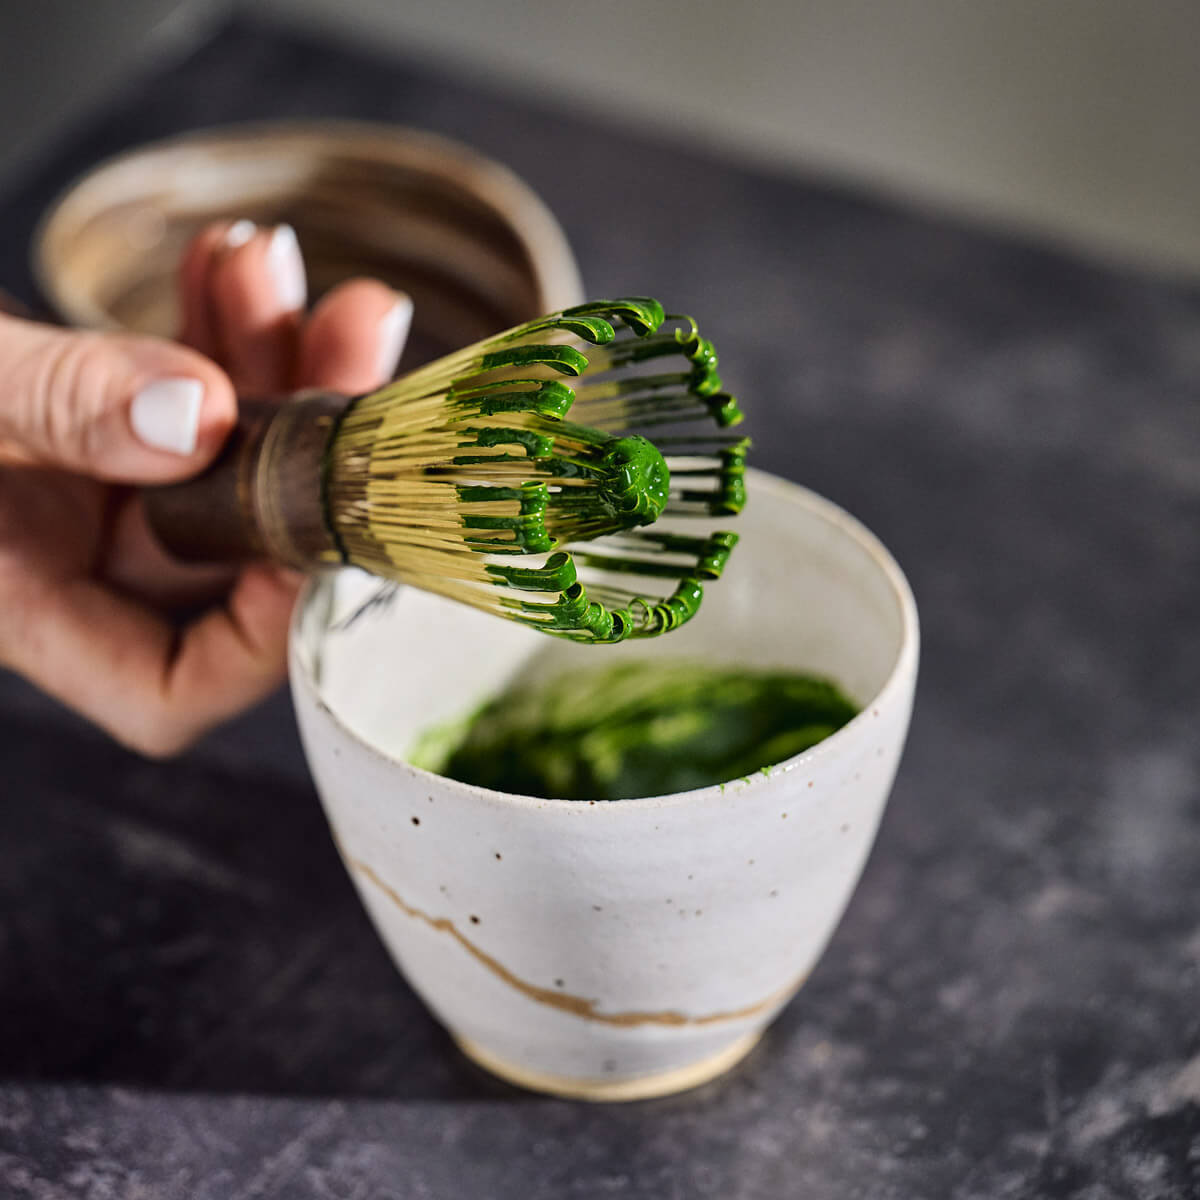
point(262, 495)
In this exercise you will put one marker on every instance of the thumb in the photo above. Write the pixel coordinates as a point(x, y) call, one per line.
point(114, 406)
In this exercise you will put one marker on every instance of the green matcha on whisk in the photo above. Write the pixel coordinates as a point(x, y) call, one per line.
point(466, 477)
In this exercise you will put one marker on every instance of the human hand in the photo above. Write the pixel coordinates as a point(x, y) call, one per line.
point(89, 603)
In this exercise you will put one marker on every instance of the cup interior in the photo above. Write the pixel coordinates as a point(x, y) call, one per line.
point(807, 588)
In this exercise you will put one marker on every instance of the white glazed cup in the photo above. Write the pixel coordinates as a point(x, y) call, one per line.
point(627, 949)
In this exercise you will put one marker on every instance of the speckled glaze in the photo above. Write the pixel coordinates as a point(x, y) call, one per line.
point(628, 949)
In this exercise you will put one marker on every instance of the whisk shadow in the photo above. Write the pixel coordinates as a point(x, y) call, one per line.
point(188, 926)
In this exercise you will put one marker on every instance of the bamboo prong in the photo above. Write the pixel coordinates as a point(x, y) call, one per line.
point(449, 477)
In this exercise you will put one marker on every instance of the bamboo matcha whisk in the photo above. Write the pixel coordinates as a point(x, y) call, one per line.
point(466, 478)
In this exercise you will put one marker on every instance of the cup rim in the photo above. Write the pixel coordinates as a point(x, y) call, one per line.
point(542, 237)
point(904, 667)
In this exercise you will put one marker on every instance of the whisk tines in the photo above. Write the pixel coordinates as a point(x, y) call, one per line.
point(534, 443)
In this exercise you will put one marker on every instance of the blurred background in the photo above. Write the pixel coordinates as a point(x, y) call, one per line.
point(1074, 120)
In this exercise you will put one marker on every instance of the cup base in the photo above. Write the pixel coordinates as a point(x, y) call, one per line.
point(639, 1087)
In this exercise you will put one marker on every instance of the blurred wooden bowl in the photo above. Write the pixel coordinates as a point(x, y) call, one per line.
point(469, 241)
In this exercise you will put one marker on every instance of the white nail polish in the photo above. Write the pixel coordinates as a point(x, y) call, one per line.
point(165, 414)
point(393, 333)
point(287, 268)
point(239, 233)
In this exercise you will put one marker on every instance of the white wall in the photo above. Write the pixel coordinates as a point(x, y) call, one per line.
point(1076, 117)
point(60, 57)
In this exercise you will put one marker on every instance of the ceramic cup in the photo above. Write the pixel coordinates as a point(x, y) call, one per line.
point(627, 949)
point(469, 241)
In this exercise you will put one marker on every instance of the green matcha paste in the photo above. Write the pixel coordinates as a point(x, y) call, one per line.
point(640, 728)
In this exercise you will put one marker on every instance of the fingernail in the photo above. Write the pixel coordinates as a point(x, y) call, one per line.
point(393, 333)
point(165, 414)
point(287, 268)
point(239, 233)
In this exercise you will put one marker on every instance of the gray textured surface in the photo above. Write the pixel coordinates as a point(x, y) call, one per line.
point(194, 1004)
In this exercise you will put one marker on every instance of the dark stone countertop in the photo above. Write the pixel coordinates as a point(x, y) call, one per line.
point(193, 1002)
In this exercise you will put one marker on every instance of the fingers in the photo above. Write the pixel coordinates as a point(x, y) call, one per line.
point(129, 671)
point(198, 327)
point(116, 407)
point(257, 291)
point(354, 338)
point(135, 563)
point(228, 660)
point(242, 293)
